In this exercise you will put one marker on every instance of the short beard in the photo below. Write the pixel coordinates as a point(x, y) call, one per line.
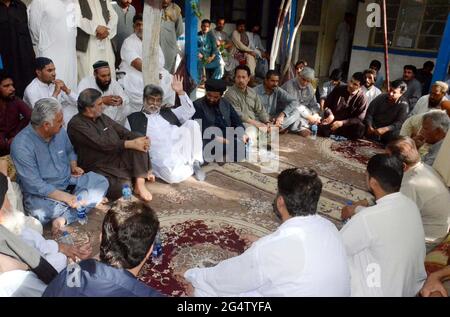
point(8, 98)
point(103, 87)
point(212, 104)
point(433, 103)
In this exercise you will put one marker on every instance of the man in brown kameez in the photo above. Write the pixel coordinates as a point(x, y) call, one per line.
point(105, 147)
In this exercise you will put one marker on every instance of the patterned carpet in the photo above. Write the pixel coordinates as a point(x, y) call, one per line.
point(204, 223)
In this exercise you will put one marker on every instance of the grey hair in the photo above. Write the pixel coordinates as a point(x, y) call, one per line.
point(442, 85)
point(45, 110)
point(439, 120)
point(153, 90)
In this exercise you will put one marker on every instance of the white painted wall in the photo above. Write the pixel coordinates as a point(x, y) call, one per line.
point(360, 60)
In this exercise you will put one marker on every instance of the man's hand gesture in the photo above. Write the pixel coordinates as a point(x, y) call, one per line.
point(177, 85)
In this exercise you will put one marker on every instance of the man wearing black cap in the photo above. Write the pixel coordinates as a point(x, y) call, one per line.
point(215, 113)
point(113, 96)
point(46, 85)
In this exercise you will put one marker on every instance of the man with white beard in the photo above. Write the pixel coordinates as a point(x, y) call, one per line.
point(53, 30)
point(176, 151)
point(133, 82)
point(113, 96)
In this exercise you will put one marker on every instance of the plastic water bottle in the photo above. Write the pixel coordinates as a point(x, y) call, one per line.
point(248, 148)
point(157, 250)
point(126, 192)
point(314, 129)
point(348, 203)
point(81, 212)
point(66, 238)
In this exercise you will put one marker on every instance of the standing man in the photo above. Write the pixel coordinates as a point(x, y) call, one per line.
point(345, 110)
point(208, 55)
point(279, 104)
point(171, 27)
point(16, 49)
point(125, 14)
point(114, 98)
point(96, 27)
point(343, 41)
point(414, 91)
point(53, 30)
point(133, 82)
point(14, 113)
point(105, 147)
point(386, 114)
point(224, 45)
point(46, 85)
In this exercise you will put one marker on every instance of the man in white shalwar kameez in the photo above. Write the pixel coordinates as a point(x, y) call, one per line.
point(30, 231)
point(47, 85)
point(97, 26)
point(114, 98)
point(385, 243)
point(133, 82)
point(176, 140)
point(53, 30)
point(343, 40)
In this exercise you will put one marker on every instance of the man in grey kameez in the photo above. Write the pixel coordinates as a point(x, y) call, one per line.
point(280, 106)
point(308, 107)
point(171, 27)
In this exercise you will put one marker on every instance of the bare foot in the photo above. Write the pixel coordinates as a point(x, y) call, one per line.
point(142, 191)
point(304, 133)
point(58, 224)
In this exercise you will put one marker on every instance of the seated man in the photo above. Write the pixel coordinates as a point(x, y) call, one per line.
point(279, 104)
point(244, 51)
point(376, 66)
point(14, 113)
point(47, 169)
point(216, 113)
point(46, 85)
point(23, 271)
point(248, 105)
point(327, 87)
point(31, 233)
point(414, 91)
point(385, 243)
point(301, 88)
point(176, 151)
point(423, 186)
point(369, 88)
point(114, 98)
point(105, 147)
point(435, 126)
point(386, 114)
point(128, 233)
point(208, 54)
point(133, 82)
point(345, 110)
point(304, 257)
point(433, 100)
point(412, 126)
